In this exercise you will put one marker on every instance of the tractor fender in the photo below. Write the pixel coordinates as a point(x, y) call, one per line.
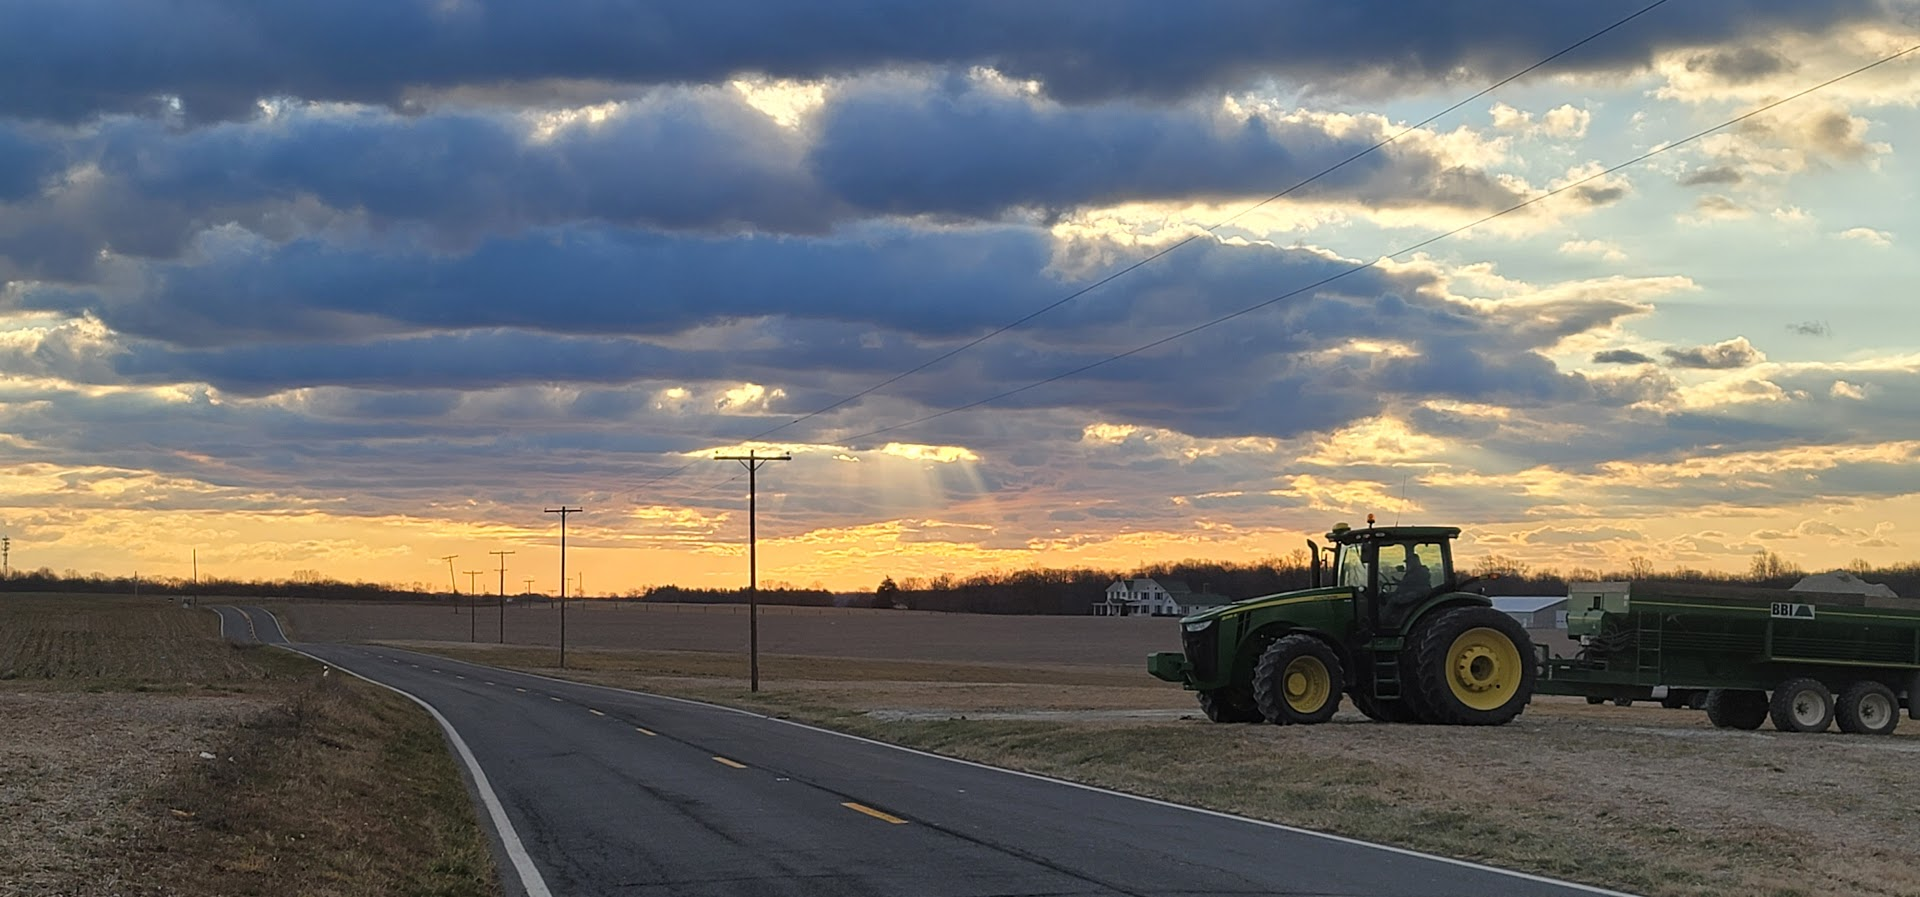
point(1443, 602)
point(1273, 632)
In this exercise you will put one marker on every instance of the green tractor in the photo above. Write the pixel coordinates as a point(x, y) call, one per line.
point(1387, 624)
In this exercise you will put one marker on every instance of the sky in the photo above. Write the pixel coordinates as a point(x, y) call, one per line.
point(343, 287)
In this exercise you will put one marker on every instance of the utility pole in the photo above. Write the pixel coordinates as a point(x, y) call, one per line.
point(563, 511)
point(473, 613)
point(455, 586)
point(529, 583)
point(580, 589)
point(195, 600)
point(503, 592)
point(6, 565)
point(753, 462)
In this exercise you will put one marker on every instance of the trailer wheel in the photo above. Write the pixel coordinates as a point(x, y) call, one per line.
point(1298, 680)
point(1228, 705)
point(1470, 668)
point(1802, 705)
point(1868, 708)
point(1732, 708)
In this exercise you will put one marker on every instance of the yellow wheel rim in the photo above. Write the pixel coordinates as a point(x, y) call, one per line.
point(1483, 668)
point(1307, 684)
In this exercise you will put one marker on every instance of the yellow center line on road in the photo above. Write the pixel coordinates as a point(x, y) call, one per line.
point(645, 731)
point(595, 712)
point(883, 817)
point(725, 762)
point(552, 698)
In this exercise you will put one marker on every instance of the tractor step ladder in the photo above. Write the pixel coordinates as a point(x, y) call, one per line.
point(1386, 676)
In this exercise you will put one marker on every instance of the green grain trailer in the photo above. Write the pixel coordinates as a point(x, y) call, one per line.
point(1388, 624)
point(1805, 659)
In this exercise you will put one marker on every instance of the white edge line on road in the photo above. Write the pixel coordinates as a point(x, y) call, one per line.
point(517, 852)
point(1341, 839)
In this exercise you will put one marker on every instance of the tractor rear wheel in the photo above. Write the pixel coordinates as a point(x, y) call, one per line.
point(1298, 680)
point(1472, 666)
point(1868, 708)
point(1229, 706)
point(1801, 705)
point(1733, 708)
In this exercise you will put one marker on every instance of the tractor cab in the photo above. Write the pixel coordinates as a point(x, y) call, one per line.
point(1392, 570)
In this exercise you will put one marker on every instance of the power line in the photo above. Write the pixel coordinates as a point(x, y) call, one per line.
point(1176, 246)
point(1355, 269)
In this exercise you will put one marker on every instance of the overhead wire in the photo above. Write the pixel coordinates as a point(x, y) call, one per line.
point(1177, 245)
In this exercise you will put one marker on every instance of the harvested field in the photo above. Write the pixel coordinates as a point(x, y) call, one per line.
point(143, 755)
point(1642, 799)
point(838, 632)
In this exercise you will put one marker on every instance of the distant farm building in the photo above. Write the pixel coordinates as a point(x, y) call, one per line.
point(1535, 612)
point(1152, 598)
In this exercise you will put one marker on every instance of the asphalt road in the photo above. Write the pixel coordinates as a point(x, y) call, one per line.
point(601, 791)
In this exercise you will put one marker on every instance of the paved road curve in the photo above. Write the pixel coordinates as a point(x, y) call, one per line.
point(615, 792)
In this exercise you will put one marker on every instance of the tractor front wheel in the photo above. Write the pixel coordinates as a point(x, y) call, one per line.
point(1473, 666)
point(1298, 680)
point(1229, 706)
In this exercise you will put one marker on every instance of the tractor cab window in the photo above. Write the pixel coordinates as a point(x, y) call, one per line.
point(1352, 568)
point(1409, 572)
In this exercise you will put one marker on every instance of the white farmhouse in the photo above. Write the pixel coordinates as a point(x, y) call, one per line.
point(1151, 598)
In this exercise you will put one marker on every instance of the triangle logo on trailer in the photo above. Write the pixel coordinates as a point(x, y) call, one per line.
point(1783, 610)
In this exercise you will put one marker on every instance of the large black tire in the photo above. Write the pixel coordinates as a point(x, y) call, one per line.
point(1732, 708)
point(1298, 680)
point(1801, 705)
point(1472, 666)
point(1383, 711)
point(1229, 706)
point(1868, 708)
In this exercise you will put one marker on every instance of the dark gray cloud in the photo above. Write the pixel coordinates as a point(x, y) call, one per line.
point(1721, 356)
point(1621, 356)
point(612, 281)
point(70, 59)
point(1811, 328)
point(1718, 174)
point(1741, 65)
point(25, 162)
point(694, 159)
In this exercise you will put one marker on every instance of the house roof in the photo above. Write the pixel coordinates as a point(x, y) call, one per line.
point(1527, 604)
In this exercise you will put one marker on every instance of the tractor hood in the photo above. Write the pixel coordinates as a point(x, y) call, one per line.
point(1246, 604)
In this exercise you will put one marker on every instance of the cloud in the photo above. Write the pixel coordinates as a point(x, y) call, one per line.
point(223, 59)
point(1878, 239)
point(1714, 176)
point(1721, 356)
point(1622, 356)
point(1740, 65)
point(1606, 249)
point(1811, 328)
point(1563, 122)
point(706, 159)
point(1713, 205)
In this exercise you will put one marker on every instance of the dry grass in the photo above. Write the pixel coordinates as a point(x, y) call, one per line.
point(315, 788)
point(1640, 799)
point(347, 789)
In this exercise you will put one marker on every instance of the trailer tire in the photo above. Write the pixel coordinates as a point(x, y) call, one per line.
point(1470, 669)
point(1802, 705)
point(1228, 705)
point(1868, 708)
point(1298, 680)
point(1596, 700)
point(1733, 708)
